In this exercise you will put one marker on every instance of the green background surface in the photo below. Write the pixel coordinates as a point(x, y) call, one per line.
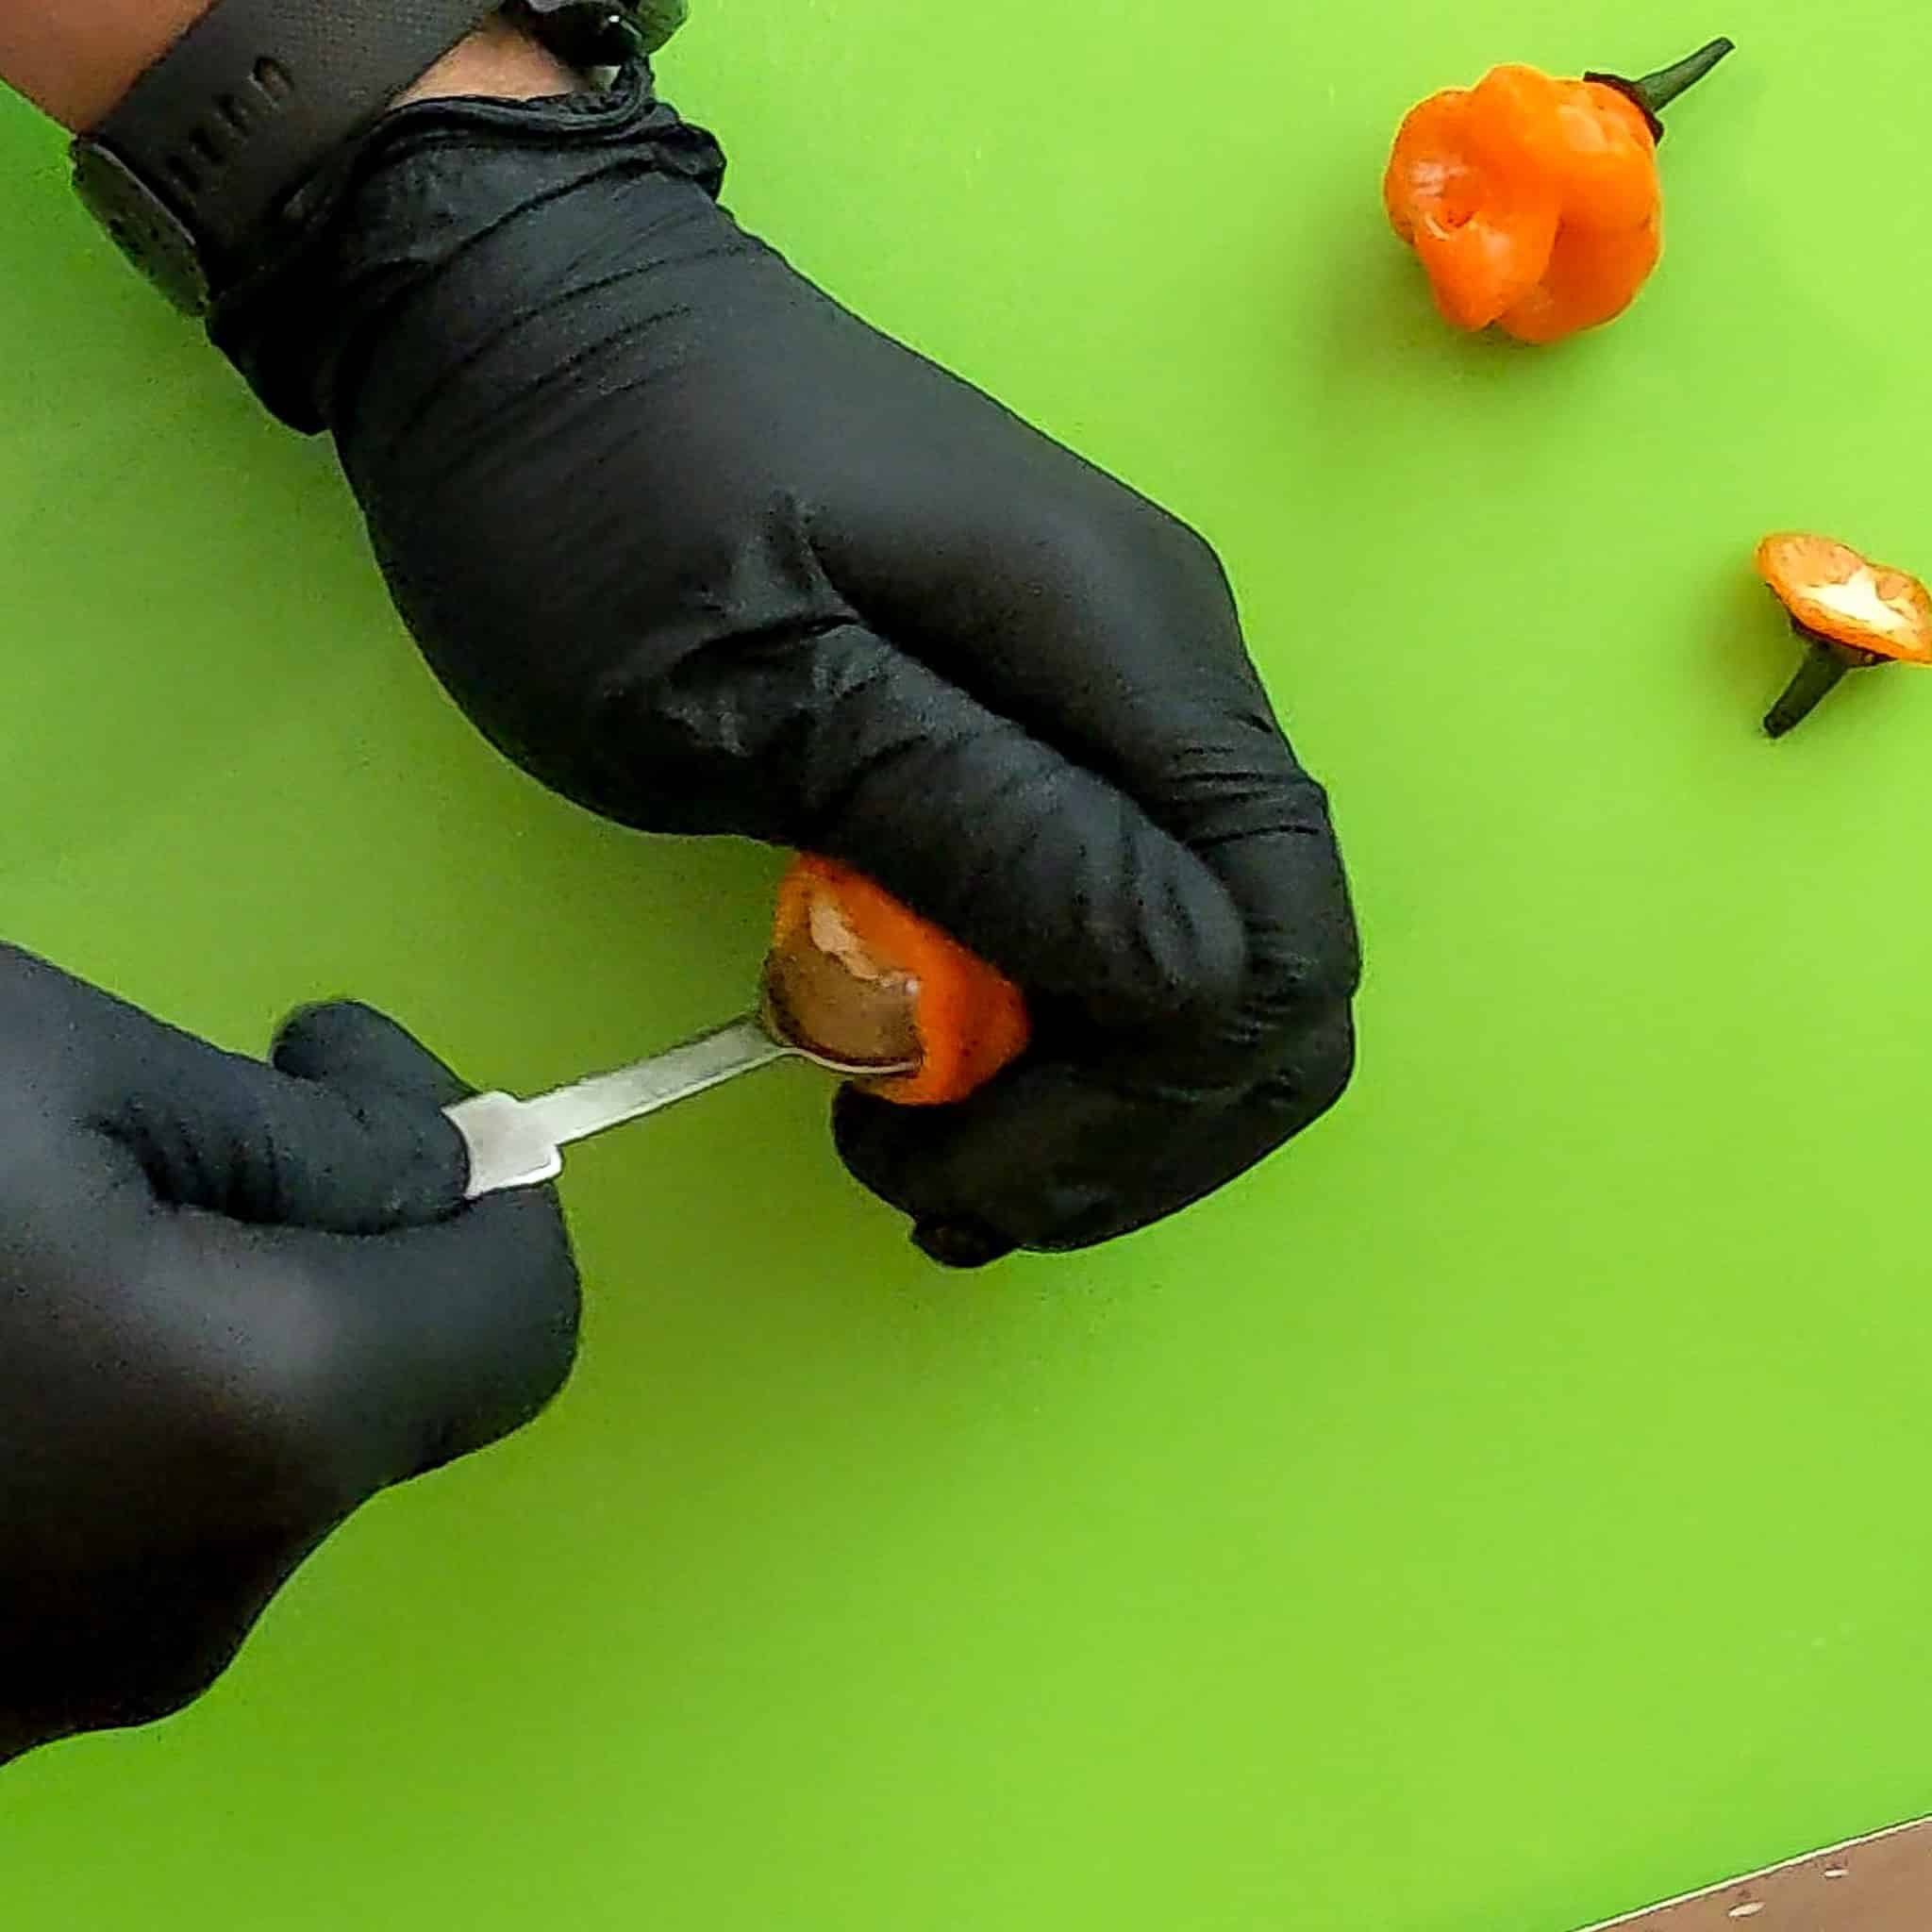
point(1505, 1508)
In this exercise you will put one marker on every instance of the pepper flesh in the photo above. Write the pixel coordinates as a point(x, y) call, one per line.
point(1834, 592)
point(1534, 203)
point(969, 1019)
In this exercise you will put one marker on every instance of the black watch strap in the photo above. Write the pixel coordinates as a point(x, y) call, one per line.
point(209, 143)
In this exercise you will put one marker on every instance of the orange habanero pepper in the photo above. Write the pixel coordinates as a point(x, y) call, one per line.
point(1535, 202)
point(969, 1019)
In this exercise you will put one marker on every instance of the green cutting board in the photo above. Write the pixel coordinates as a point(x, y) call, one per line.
point(1503, 1509)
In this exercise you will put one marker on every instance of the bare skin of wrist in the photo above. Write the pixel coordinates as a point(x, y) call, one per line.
point(499, 61)
point(75, 60)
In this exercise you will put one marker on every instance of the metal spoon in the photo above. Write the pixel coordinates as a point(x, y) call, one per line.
point(520, 1143)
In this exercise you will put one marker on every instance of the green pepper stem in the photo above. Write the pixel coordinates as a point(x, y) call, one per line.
point(1656, 91)
point(1824, 665)
point(1668, 84)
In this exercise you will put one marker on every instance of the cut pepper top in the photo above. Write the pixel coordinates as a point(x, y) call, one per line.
point(1834, 592)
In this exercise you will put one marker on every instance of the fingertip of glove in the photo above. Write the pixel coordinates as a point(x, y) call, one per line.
point(961, 1245)
point(349, 1045)
point(314, 1037)
point(384, 1155)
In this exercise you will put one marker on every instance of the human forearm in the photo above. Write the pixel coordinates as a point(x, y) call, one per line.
point(75, 62)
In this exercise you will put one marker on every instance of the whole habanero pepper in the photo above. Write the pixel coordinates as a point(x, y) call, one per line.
point(1535, 202)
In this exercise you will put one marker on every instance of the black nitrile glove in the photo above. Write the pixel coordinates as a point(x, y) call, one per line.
point(706, 554)
point(236, 1302)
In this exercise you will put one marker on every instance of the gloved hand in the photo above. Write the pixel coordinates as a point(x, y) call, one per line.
point(706, 554)
point(236, 1301)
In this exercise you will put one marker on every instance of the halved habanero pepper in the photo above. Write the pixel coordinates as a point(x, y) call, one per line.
point(851, 966)
point(1535, 202)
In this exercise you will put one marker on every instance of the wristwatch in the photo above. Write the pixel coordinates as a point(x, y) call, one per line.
point(204, 159)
